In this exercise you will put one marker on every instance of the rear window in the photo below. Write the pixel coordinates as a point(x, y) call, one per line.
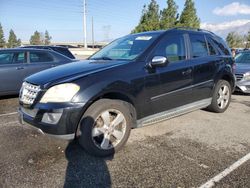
point(198, 45)
point(64, 51)
point(36, 57)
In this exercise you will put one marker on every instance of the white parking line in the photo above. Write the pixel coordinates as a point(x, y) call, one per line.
point(227, 171)
point(8, 114)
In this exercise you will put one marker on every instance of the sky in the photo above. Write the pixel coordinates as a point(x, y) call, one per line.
point(112, 18)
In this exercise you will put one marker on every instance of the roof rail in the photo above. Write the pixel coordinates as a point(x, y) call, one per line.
point(191, 28)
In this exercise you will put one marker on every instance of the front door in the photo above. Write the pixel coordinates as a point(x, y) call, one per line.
point(174, 86)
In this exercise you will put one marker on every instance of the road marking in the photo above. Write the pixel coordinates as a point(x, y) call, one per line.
point(193, 160)
point(8, 114)
point(227, 171)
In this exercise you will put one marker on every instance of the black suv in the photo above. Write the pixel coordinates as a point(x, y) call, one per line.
point(137, 80)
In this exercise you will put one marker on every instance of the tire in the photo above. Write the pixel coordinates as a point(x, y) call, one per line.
point(221, 98)
point(97, 136)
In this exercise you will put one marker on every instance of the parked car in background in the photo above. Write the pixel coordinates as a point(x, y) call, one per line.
point(135, 81)
point(62, 50)
point(243, 71)
point(16, 64)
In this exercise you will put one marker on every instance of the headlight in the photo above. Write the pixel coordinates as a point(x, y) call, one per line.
point(247, 76)
point(60, 93)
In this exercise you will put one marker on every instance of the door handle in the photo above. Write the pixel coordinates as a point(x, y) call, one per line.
point(187, 72)
point(19, 68)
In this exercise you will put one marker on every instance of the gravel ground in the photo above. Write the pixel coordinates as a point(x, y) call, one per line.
point(182, 152)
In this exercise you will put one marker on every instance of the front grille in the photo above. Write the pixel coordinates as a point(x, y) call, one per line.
point(239, 77)
point(29, 93)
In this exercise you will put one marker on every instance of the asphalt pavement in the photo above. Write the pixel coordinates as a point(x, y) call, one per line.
point(186, 151)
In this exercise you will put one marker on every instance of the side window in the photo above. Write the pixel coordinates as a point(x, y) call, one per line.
point(198, 45)
point(6, 58)
point(172, 47)
point(222, 46)
point(37, 57)
point(19, 57)
point(211, 47)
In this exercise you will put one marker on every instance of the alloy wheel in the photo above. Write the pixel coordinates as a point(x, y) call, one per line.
point(223, 96)
point(109, 129)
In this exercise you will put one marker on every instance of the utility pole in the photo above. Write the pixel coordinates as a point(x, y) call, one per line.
point(84, 24)
point(93, 39)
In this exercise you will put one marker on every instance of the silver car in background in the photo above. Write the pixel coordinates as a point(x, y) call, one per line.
point(19, 63)
point(243, 72)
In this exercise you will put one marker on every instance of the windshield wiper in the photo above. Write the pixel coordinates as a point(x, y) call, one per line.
point(103, 58)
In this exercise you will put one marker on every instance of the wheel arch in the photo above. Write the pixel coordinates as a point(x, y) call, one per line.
point(230, 79)
point(226, 75)
point(113, 95)
point(117, 95)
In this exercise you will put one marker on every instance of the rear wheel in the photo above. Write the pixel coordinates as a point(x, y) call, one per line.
point(221, 97)
point(105, 127)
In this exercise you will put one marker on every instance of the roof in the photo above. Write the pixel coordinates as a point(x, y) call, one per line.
point(24, 49)
point(179, 29)
point(42, 46)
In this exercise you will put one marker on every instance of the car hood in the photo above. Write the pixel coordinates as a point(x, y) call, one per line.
point(242, 68)
point(71, 71)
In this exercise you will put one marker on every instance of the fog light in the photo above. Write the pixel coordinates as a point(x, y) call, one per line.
point(51, 118)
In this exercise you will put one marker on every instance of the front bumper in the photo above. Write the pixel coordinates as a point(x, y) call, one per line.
point(68, 114)
point(243, 86)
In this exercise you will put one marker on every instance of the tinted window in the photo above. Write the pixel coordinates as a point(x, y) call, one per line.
point(64, 51)
point(243, 58)
point(198, 45)
point(172, 47)
point(211, 48)
point(222, 46)
point(19, 58)
point(36, 57)
point(6, 58)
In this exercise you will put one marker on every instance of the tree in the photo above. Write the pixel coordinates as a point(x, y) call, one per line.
point(188, 16)
point(13, 41)
point(248, 40)
point(169, 15)
point(19, 42)
point(234, 40)
point(47, 38)
point(2, 39)
point(36, 39)
point(150, 19)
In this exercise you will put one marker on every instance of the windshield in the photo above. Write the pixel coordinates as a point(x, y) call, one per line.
point(243, 58)
point(126, 48)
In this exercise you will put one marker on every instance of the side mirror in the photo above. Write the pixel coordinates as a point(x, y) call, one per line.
point(158, 61)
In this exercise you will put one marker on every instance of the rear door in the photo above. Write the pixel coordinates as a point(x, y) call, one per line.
point(175, 79)
point(38, 61)
point(11, 71)
point(204, 58)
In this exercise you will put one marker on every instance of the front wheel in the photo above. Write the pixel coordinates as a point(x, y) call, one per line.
point(221, 97)
point(105, 127)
